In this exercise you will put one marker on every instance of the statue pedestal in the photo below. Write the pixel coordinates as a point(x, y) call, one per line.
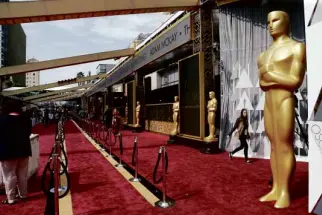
point(210, 147)
point(134, 128)
point(172, 139)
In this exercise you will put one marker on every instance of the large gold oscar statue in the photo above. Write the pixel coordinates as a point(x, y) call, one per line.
point(212, 107)
point(281, 72)
point(137, 114)
point(175, 109)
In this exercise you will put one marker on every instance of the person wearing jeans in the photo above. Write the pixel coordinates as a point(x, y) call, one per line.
point(15, 150)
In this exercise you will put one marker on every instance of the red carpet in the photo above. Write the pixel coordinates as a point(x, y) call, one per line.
point(97, 187)
point(36, 202)
point(212, 184)
point(200, 184)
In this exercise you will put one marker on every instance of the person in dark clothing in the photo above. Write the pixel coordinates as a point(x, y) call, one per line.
point(108, 115)
point(116, 122)
point(241, 125)
point(15, 150)
point(46, 117)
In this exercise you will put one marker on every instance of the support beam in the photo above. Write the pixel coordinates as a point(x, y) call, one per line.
point(223, 2)
point(55, 97)
point(50, 10)
point(52, 85)
point(56, 92)
point(68, 61)
point(67, 98)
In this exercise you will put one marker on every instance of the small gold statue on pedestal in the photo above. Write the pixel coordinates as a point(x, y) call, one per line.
point(175, 109)
point(281, 72)
point(212, 108)
point(137, 114)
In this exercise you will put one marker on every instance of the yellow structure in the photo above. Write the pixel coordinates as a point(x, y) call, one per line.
point(56, 92)
point(38, 11)
point(52, 85)
point(68, 61)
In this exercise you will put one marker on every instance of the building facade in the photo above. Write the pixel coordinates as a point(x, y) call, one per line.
point(13, 49)
point(32, 78)
point(104, 68)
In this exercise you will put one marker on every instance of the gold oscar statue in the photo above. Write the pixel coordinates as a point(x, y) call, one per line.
point(137, 114)
point(212, 107)
point(175, 109)
point(281, 72)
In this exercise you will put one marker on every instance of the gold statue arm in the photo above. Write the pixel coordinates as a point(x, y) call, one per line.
point(213, 106)
point(295, 78)
point(264, 85)
point(175, 107)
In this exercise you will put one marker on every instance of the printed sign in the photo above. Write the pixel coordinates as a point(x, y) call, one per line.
point(168, 41)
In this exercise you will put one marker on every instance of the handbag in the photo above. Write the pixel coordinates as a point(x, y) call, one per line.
point(234, 140)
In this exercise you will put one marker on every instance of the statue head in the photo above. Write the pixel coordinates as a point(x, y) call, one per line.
point(176, 98)
point(211, 94)
point(137, 103)
point(278, 23)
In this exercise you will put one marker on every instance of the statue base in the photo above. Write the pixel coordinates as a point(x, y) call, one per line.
point(135, 128)
point(210, 147)
point(172, 139)
point(196, 143)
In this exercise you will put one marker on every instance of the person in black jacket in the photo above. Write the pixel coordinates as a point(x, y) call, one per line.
point(46, 117)
point(15, 150)
point(108, 116)
point(241, 125)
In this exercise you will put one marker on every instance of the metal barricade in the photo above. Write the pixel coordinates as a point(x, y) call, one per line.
point(165, 202)
point(135, 161)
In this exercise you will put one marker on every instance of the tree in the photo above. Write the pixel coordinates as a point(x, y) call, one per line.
point(80, 75)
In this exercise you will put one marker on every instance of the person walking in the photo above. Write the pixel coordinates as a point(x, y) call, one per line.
point(241, 125)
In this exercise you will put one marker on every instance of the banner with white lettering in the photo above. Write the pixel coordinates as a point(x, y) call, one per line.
point(169, 40)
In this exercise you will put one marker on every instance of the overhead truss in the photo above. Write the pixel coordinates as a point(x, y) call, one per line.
point(56, 92)
point(49, 10)
point(52, 85)
point(68, 61)
point(56, 96)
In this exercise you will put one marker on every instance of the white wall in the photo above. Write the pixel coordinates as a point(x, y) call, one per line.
point(313, 49)
point(32, 79)
point(155, 80)
point(314, 74)
point(117, 88)
point(315, 163)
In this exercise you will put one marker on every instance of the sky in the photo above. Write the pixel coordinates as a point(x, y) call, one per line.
point(66, 38)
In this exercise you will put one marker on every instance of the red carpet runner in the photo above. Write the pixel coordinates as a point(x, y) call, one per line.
point(97, 187)
point(200, 184)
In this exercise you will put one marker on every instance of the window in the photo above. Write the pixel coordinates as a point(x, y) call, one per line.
point(169, 78)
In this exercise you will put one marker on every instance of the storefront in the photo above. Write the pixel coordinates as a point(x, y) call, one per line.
point(146, 76)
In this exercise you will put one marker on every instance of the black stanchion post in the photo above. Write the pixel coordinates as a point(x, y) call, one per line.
point(110, 142)
point(121, 151)
point(164, 203)
point(103, 139)
point(56, 185)
point(136, 178)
